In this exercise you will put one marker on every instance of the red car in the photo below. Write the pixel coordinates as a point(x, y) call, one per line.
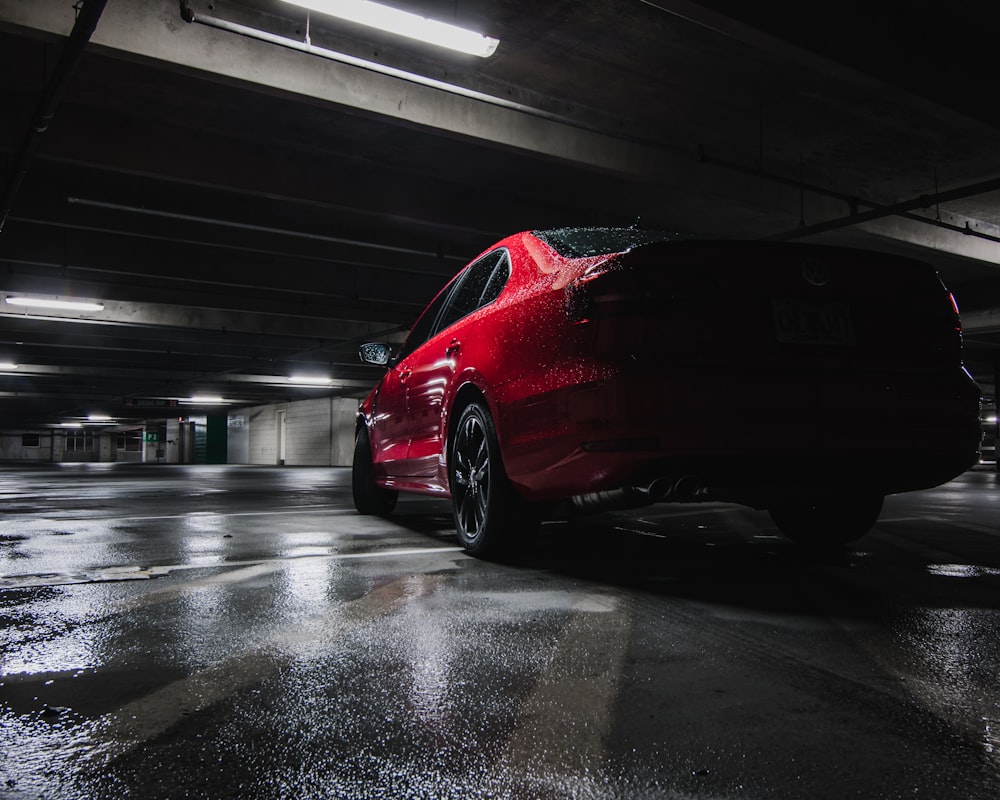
point(591, 368)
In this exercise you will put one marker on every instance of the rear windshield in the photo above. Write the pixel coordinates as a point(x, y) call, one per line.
point(583, 242)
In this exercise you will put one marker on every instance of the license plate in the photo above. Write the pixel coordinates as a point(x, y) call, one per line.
point(810, 322)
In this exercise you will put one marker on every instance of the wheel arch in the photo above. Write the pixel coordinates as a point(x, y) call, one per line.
point(468, 393)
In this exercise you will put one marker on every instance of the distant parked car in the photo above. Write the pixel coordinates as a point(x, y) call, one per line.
point(613, 367)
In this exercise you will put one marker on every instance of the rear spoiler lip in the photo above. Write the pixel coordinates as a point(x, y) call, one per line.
point(641, 254)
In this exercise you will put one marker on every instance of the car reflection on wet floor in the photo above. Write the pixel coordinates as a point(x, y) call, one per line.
point(235, 632)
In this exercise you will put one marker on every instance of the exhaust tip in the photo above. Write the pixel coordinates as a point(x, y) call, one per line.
point(658, 489)
point(689, 488)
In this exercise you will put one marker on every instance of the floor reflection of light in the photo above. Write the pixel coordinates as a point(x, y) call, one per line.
point(58, 635)
point(950, 641)
point(991, 739)
point(960, 570)
point(36, 750)
point(301, 585)
point(430, 656)
point(197, 624)
point(957, 673)
point(299, 544)
point(202, 522)
point(202, 536)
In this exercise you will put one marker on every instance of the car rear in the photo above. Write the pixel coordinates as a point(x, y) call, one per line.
point(754, 370)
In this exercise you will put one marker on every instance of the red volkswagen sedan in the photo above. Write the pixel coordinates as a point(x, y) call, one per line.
point(592, 368)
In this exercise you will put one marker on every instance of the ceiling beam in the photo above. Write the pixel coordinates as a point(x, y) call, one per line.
point(160, 315)
point(153, 30)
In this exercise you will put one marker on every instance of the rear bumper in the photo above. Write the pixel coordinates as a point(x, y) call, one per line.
point(748, 438)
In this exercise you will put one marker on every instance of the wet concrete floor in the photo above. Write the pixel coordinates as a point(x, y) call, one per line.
point(224, 632)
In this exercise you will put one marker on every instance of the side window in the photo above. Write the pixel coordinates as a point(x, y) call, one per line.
point(480, 285)
point(422, 330)
point(498, 279)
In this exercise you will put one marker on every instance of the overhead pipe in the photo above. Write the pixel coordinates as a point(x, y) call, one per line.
point(86, 23)
point(853, 201)
point(899, 209)
point(249, 226)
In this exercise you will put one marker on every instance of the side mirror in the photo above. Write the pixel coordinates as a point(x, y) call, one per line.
point(377, 353)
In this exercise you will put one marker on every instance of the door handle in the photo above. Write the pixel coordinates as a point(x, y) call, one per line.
point(453, 347)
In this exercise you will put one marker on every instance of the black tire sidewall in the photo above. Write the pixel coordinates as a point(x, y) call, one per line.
point(493, 537)
point(832, 522)
point(368, 498)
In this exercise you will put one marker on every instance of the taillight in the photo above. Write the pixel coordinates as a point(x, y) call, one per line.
point(951, 347)
point(578, 301)
point(605, 294)
point(958, 316)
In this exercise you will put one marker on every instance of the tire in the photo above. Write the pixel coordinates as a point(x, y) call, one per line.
point(828, 522)
point(369, 498)
point(491, 519)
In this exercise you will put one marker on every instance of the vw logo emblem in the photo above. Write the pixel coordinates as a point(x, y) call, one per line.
point(815, 272)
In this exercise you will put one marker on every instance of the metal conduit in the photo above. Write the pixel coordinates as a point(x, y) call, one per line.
point(86, 23)
point(900, 209)
point(876, 211)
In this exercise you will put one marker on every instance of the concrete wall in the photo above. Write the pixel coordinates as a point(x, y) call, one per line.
point(238, 443)
point(317, 433)
point(12, 448)
point(52, 447)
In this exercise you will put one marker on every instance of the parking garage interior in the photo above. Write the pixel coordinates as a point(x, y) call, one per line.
point(246, 211)
point(207, 206)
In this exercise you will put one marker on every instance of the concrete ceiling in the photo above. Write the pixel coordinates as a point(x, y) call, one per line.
point(250, 193)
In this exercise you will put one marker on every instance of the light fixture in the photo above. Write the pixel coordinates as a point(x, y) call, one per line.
point(311, 380)
point(404, 23)
point(57, 305)
point(98, 418)
point(7, 365)
point(206, 400)
point(70, 424)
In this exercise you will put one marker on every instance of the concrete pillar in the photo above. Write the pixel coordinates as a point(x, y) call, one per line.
point(173, 442)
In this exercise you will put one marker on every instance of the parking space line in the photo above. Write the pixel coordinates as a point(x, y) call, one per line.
point(325, 508)
point(138, 573)
point(565, 722)
point(120, 732)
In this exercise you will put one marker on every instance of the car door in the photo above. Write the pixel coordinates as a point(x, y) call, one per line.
point(434, 366)
point(391, 428)
point(389, 446)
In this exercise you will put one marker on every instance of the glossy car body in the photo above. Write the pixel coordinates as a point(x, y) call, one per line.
point(620, 366)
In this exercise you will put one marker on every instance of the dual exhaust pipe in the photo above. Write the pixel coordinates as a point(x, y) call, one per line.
point(687, 489)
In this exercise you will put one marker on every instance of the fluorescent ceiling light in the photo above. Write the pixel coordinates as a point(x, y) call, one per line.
point(98, 418)
point(60, 305)
point(311, 380)
point(70, 424)
point(210, 400)
point(403, 23)
point(5, 365)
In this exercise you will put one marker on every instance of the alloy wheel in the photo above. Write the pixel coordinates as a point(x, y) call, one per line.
point(472, 476)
